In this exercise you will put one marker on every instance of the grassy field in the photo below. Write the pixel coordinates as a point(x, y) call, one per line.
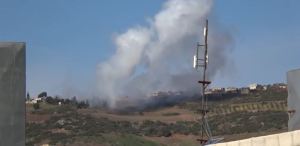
point(164, 115)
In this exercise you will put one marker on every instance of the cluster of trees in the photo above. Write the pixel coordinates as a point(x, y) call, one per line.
point(59, 101)
point(73, 101)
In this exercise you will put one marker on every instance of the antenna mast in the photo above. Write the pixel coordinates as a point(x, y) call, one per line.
point(206, 136)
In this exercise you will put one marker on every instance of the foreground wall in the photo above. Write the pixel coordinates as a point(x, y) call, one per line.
point(282, 139)
point(293, 81)
point(12, 94)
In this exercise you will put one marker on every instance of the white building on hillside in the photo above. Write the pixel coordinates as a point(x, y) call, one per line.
point(34, 100)
point(253, 86)
point(231, 90)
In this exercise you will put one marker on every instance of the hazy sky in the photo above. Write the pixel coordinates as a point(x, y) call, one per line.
point(66, 39)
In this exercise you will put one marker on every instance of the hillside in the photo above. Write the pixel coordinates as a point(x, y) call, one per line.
point(232, 117)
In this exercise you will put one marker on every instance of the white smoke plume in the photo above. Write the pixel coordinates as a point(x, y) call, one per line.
point(158, 57)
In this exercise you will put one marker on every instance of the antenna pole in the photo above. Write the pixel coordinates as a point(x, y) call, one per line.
point(205, 64)
point(206, 136)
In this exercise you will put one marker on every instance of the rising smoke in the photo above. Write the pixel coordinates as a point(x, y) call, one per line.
point(158, 57)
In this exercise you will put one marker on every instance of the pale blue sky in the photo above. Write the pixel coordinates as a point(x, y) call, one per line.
point(66, 39)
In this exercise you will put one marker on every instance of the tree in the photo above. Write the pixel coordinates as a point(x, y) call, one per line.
point(67, 101)
point(43, 94)
point(74, 100)
point(57, 99)
point(82, 104)
point(87, 103)
point(27, 96)
point(36, 106)
point(50, 100)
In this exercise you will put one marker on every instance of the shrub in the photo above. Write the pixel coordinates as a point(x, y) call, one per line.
point(36, 106)
point(171, 114)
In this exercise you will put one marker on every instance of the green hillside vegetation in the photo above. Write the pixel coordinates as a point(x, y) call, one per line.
point(68, 125)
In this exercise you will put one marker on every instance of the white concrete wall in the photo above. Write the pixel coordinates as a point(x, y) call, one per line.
point(293, 81)
point(282, 139)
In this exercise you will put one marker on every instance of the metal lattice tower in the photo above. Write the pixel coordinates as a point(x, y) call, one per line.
point(201, 62)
